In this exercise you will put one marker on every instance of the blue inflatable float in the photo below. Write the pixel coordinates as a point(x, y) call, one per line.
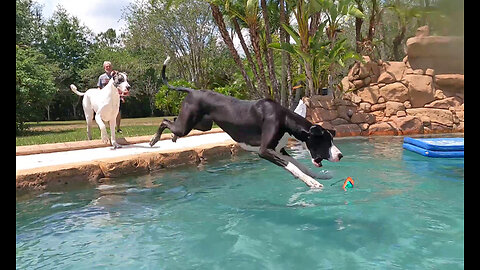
point(435, 147)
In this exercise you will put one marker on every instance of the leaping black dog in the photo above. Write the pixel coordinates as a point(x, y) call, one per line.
point(261, 125)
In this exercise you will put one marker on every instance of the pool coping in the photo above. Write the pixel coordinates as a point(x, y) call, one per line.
point(69, 146)
point(56, 177)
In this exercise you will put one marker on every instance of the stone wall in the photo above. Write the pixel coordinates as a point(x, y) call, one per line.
point(398, 98)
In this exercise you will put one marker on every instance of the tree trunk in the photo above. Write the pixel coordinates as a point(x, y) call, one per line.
point(288, 61)
point(373, 19)
point(258, 55)
point(217, 15)
point(48, 112)
point(289, 80)
point(269, 53)
point(358, 28)
point(397, 42)
point(283, 80)
point(247, 52)
point(309, 90)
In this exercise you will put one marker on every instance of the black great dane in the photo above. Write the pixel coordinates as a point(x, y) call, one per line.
point(261, 125)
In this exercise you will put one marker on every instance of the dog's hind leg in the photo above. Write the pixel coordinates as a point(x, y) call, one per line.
point(88, 112)
point(204, 125)
point(165, 124)
point(185, 122)
point(188, 117)
point(89, 120)
point(173, 126)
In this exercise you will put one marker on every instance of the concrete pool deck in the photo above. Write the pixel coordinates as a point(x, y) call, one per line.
point(42, 166)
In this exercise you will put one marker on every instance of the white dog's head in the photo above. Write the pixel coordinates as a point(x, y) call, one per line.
point(121, 83)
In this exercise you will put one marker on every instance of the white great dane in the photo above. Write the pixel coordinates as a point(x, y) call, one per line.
point(105, 103)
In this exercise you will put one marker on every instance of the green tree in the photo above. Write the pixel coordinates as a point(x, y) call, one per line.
point(34, 85)
point(169, 100)
point(218, 17)
point(319, 56)
point(34, 75)
point(28, 22)
point(404, 13)
point(67, 44)
point(248, 12)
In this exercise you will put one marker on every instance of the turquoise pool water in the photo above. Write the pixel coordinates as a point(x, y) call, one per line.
point(406, 211)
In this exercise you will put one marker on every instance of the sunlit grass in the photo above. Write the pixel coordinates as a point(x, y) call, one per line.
point(70, 131)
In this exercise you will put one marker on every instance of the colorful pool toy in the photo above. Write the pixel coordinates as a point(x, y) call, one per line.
point(349, 183)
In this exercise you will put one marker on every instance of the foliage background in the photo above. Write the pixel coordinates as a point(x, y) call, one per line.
point(52, 53)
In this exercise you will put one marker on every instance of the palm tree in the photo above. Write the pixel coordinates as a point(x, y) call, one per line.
point(251, 18)
point(238, 30)
point(404, 14)
point(318, 57)
point(217, 15)
point(248, 13)
point(286, 72)
point(269, 53)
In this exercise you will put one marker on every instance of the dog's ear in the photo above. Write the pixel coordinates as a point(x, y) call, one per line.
point(114, 72)
point(316, 130)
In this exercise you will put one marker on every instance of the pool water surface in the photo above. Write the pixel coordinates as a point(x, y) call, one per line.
point(406, 211)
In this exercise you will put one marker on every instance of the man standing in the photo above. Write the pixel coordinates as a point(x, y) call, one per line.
point(102, 81)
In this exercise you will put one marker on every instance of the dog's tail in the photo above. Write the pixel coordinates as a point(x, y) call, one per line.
point(164, 78)
point(74, 89)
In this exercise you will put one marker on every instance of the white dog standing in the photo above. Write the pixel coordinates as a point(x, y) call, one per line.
point(105, 103)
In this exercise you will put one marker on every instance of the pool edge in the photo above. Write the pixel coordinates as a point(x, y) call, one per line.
point(43, 178)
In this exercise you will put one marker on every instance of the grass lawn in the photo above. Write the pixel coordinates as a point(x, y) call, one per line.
point(76, 130)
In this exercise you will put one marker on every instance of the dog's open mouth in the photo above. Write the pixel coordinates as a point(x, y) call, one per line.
point(317, 162)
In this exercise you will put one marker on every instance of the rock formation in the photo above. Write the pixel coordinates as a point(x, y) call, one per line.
point(424, 93)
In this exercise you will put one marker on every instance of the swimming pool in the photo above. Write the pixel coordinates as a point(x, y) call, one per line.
point(406, 211)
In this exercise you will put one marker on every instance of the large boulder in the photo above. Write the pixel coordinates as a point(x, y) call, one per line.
point(420, 89)
point(439, 116)
point(369, 94)
point(395, 92)
point(391, 71)
point(408, 125)
point(450, 84)
point(444, 54)
point(382, 128)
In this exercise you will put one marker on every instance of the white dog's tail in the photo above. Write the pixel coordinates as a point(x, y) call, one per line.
point(74, 89)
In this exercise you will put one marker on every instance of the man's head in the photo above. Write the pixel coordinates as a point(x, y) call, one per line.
point(107, 66)
point(320, 144)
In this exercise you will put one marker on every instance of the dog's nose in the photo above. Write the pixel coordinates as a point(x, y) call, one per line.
point(340, 156)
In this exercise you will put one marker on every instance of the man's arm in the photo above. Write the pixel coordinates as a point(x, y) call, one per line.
point(99, 83)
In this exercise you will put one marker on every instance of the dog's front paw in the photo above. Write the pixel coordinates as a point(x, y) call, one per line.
point(312, 183)
point(105, 140)
point(116, 145)
point(154, 140)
